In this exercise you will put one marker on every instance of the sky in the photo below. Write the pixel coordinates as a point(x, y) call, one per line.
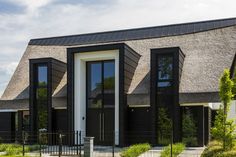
point(22, 20)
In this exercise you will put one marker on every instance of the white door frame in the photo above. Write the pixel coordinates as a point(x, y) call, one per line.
point(80, 60)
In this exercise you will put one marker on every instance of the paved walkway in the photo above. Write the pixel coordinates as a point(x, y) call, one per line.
point(192, 152)
point(154, 152)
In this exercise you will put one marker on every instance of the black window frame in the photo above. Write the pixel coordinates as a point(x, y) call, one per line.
point(173, 51)
point(102, 62)
point(34, 63)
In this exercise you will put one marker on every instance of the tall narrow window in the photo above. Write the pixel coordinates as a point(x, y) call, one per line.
point(164, 97)
point(41, 97)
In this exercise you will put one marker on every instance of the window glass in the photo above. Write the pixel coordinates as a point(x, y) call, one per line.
point(165, 98)
point(101, 84)
point(164, 84)
point(94, 84)
point(109, 84)
point(189, 126)
point(41, 96)
point(42, 75)
point(26, 120)
point(95, 71)
point(165, 66)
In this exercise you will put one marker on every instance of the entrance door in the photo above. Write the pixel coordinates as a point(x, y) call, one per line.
point(100, 101)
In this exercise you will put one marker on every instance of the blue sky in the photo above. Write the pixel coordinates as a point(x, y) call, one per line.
point(21, 20)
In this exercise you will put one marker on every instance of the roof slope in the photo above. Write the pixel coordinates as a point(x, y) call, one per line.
point(134, 34)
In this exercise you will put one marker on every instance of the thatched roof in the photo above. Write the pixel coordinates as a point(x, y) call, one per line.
point(207, 53)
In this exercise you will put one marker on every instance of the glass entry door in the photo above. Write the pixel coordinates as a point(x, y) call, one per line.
point(100, 101)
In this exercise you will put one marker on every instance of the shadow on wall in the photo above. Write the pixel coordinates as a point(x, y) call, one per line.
point(140, 95)
point(24, 94)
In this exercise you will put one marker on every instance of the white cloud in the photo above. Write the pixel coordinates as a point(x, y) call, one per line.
point(44, 18)
point(8, 68)
point(31, 4)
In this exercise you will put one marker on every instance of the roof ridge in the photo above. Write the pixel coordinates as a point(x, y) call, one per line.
point(140, 28)
point(217, 24)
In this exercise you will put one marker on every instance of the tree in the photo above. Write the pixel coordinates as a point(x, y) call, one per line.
point(165, 126)
point(225, 133)
point(189, 129)
point(234, 84)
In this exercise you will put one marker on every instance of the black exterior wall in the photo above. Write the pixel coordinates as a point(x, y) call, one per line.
point(139, 125)
point(128, 59)
point(207, 124)
point(7, 129)
point(59, 117)
point(54, 74)
point(178, 58)
point(202, 119)
point(199, 113)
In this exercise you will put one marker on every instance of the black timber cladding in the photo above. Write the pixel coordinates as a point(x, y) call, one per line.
point(58, 71)
point(139, 128)
point(54, 72)
point(131, 59)
point(136, 34)
point(125, 53)
point(175, 110)
point(233, 67)
point(7, 129)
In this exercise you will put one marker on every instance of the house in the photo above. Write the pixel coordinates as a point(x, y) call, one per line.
point(138, 84)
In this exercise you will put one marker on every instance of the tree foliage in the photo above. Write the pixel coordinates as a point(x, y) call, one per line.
point(189, 129)
point(234, 85)
point(223, 129)
point(226, 85)
point(165, 126)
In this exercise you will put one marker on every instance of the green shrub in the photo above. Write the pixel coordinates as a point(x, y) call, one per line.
point(3, 147)
point(177, 148)
point(190, 141)
point(135, 150)
point(33, 148)
point(13, 150)
point(215, 149)
point(231, 153)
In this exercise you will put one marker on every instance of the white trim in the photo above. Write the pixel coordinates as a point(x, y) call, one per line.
point(80, 60)
point(8, 110)
point(212, 105)
point(194, 104)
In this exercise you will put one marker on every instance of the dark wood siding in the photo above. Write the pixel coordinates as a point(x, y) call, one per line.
point(60, 120)
point(199, 113)
point(175, 110)
point(7, 129)
point(131, 59)
point(139, 125)
point(181, 63)
point(58, 71)
point(207, 124)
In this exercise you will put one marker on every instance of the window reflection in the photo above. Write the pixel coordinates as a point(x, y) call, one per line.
point(165, 98)
point(42, 75)
point(25, 117)
point(101, 84)
point(109, 84)
point(94, 85)
point(165, 67)
point(41, 95)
